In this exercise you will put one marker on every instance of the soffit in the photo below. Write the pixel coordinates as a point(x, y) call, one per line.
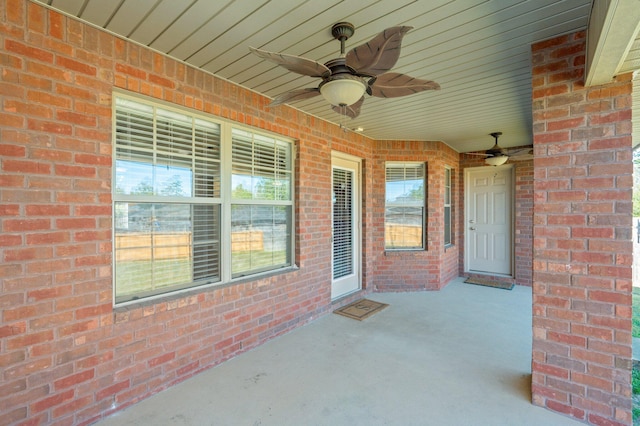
point(477, 50)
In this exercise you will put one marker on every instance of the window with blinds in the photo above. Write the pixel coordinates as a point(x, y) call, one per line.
point(171, 232)
point(447, 206)
point(343, 225)
point(261, 203)
point(404, 216)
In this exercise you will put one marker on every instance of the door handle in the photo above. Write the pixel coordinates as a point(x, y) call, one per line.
point(473, 228)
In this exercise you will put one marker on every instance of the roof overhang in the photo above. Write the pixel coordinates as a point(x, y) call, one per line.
point(613, 27)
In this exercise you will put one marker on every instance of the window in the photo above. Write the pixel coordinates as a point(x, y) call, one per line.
point(181, 218)
point(404, 216)
point(261, 203)
point(447, 206)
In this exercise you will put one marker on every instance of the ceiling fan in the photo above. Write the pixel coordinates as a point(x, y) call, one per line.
point(345, 79)
point(496, 155)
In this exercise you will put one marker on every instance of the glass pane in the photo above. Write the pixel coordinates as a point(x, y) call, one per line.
point(206, 242)
point(404, 205)
point(447, 225)
point(173, 180)
point(260, 238)
point(343, 225)
point(134, 129)
point(405, 184)
point(164, 153)
point(134, 178)
point(154, 247)
point(261, 167)
point(403, 227)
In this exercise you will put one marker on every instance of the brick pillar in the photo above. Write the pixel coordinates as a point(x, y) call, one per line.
point(582, 256)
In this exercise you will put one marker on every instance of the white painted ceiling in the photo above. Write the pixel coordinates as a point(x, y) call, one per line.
point(477, 50)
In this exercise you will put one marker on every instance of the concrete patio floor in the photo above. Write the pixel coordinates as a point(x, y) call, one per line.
point(460, 356)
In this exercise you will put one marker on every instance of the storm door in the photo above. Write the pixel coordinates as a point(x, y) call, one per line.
point(345, 184)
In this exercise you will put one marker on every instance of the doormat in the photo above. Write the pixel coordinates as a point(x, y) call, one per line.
point(360, 309)
point(490, 283)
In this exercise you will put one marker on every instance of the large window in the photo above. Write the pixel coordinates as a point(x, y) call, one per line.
point(404, 216)
point(447, 206)
point(184, 219)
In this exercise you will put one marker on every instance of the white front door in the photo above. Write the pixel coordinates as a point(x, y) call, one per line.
point(488, 220)
point(345, 184)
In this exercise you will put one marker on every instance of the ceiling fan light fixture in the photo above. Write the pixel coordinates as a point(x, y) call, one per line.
point(497, 160)
point(343, 91)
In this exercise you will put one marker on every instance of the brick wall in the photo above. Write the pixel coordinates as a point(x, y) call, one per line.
point(582, 237)
point(429, 269)
point(66, 355)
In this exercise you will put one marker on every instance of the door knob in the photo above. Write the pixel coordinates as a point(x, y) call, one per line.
point(473, 228)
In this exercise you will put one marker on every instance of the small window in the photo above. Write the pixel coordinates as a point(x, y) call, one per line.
point(404, 216)
point(181, 219)
point(447, 206)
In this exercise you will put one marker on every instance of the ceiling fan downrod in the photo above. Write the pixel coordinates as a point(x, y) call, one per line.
point(341, 32)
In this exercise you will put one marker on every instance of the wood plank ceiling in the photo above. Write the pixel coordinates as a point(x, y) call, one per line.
point(477, 50)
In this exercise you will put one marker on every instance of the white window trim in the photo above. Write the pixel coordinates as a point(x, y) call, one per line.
point(403, 164)
point(226, 127)
point(448, 188)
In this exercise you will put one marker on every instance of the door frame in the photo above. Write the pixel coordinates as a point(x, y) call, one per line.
point(357, 216)
point(467, 177)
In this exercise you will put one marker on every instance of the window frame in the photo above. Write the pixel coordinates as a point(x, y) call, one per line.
point(224, 201)
point(448, 206)
point(423, 205)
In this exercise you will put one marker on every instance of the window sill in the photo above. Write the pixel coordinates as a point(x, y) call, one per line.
point(412, 252)
point(187, 296)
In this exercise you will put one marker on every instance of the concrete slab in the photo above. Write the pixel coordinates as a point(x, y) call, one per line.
point(461, 356)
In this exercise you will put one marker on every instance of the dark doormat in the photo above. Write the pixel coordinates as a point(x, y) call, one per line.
point(360, 309)
point(490, 283)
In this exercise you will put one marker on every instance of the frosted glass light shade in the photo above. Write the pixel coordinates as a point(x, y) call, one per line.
point(498, 160)
point(344, 91)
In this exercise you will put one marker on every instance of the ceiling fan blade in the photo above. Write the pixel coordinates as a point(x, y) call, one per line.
point(519, 152)
point(379, 54)
point(297, 64)
point(521, 157)
point(392, 85)
point(294, 95)
point(352, 110)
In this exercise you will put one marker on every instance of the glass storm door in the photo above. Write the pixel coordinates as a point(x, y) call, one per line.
point(345, 263)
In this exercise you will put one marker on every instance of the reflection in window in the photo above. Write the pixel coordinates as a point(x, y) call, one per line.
point(159, 249)
point(260, 237)
point(169, 204)
point(167, 210)
point(404, 206)
point(136, 178)
point(261, 209)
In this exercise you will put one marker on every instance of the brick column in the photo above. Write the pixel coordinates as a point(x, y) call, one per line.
point(582, 256)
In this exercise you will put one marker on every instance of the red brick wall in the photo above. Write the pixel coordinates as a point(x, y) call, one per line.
point(66, 355)
point(429, 269)
point(582, 237)
point(523, 238)
point(523, 216)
